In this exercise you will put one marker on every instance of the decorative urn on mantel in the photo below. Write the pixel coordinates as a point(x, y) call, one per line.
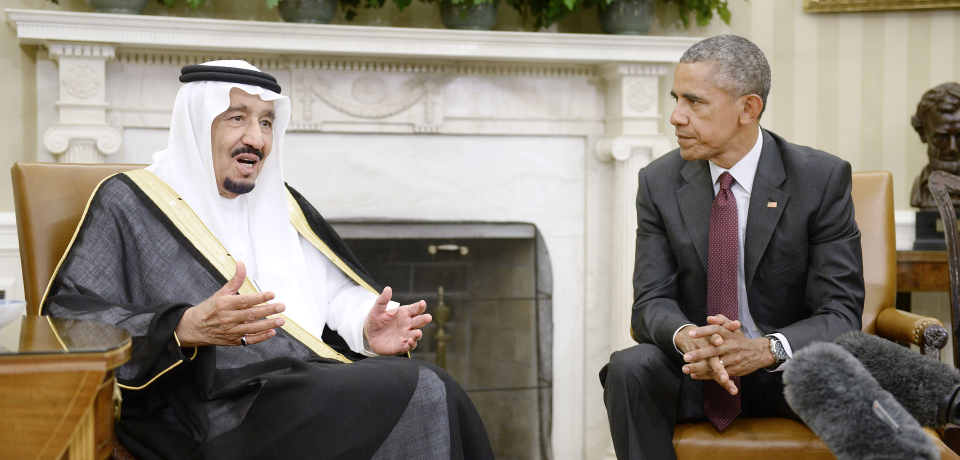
point(468, 15)
point(307, 11)
point(118, 6)
point(630, 17)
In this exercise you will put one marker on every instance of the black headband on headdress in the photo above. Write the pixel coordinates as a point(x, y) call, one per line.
point(191, 73)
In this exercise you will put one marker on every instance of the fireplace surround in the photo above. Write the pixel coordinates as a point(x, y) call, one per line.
point(409, 124)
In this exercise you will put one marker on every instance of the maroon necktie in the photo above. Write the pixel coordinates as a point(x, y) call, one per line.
point(719, 406)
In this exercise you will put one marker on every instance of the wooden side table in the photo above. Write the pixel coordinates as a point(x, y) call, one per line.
point(58, 396)
point(920, 271)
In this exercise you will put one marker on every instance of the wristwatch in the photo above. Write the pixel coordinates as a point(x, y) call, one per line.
point(779, 353)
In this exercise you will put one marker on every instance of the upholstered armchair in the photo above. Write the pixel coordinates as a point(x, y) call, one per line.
point(786, 439)
point(50, 199)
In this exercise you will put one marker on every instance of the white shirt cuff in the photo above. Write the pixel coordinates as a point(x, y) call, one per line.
point(675, 337)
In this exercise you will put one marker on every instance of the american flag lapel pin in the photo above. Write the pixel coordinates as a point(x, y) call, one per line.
point(771, 204)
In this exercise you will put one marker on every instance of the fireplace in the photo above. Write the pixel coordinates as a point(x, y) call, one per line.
point(489, 288)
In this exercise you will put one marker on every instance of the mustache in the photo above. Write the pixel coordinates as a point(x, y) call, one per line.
point(247, 149)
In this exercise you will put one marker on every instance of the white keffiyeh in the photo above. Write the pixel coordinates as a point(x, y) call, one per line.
point(314, 291)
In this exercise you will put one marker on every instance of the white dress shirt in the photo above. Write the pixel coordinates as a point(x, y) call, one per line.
point(743, 173)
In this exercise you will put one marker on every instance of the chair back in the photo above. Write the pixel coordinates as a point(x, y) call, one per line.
point(873, 206)
point(50, 199)
point(942, 185)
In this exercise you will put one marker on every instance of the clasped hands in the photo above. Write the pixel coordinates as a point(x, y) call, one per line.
point(720, 350)
point(225, 318)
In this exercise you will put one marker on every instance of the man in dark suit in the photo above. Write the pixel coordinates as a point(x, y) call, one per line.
point(795, 251)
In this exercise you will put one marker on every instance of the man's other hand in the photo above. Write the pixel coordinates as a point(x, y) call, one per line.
point(703, 363)
point(391, 332)
point(226, 318)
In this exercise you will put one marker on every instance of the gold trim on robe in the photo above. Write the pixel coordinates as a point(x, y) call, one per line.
point(183, 217)
point(200, 236)
point(63, 258)
point(83, 217)
point(299, 221)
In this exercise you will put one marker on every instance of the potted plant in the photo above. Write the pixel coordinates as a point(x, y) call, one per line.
point(456, 14)
point(626, 17)
point(547, 12)
point(702, 9)
point(115, 6)
point(468, 14)
point(308, 11)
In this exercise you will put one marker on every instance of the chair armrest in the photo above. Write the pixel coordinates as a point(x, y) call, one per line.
point(925, 332)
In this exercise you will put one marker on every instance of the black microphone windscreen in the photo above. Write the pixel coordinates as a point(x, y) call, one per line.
point(845, 406)
point(919, 383)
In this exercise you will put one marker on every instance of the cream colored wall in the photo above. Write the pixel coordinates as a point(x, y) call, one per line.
point(19, 114)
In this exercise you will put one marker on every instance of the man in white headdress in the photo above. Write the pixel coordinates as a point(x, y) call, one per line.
point(250, 317)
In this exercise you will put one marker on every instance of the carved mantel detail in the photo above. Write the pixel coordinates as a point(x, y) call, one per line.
point(82, 134)
point(417, 100)
point(632, 139)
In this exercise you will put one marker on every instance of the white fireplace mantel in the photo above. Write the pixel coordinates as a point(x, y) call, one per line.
point(259, 37)
point(544, 128)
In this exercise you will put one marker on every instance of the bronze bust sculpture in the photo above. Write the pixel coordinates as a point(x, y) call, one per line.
point(937, 121)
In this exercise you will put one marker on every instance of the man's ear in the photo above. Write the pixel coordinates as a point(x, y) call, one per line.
point(752, 106)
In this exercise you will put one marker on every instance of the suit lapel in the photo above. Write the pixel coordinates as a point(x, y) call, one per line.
point(695, 200)
point(763, 217)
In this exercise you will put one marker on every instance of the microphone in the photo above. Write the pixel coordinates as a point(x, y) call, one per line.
point(847, 408)
point(926, 388)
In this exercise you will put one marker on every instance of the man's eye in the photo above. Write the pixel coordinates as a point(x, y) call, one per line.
point(266, 123)
point(237, 118)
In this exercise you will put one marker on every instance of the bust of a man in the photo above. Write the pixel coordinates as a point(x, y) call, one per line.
point(937, 121)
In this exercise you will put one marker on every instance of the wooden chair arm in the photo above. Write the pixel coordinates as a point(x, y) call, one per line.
point(925, 332)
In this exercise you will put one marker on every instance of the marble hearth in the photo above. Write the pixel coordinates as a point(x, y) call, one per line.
point(409, 124)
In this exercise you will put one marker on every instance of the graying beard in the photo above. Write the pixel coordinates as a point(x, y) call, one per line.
point(238, 187)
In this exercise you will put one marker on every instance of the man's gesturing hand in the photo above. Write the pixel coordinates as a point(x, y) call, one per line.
point(225, 317)
point(391, 332)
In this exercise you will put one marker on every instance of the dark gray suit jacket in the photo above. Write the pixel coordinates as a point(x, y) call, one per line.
point(803, 265)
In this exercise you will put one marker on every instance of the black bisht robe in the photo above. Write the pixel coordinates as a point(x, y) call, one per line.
point(130, 266)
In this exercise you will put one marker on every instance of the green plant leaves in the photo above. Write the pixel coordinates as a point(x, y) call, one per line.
point(702, 10)
point(544, 12)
